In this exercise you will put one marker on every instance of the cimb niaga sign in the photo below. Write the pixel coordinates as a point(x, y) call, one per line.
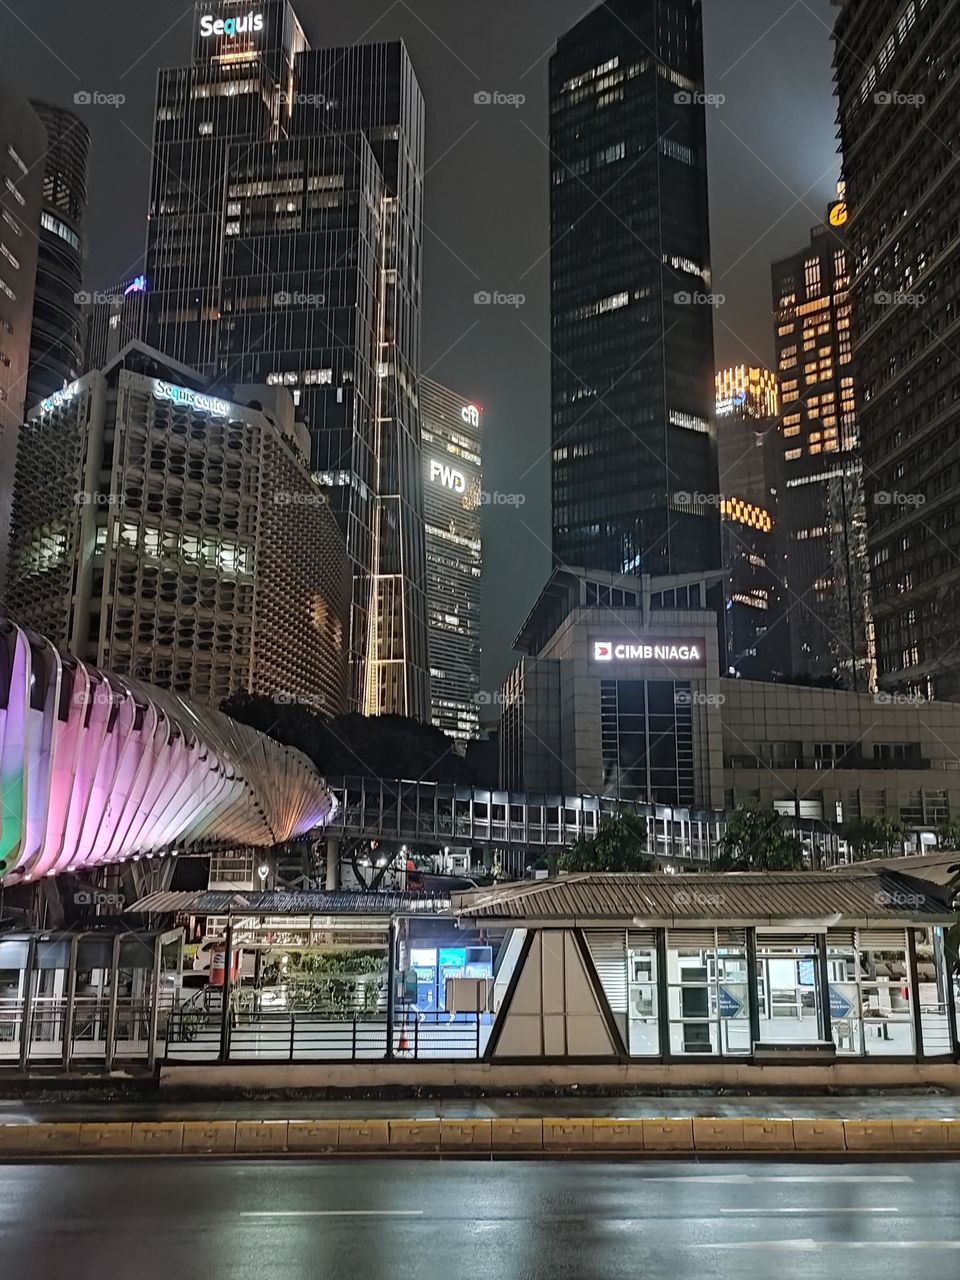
point(670, 652)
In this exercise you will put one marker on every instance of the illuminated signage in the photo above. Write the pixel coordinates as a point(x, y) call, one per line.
point(246, 25)
point(137, 285)
point(59, 397)
point(448, 476)
point(471, 415)
point(837, 215)
point(192, 399)
point(729, 403)
point(689, 651)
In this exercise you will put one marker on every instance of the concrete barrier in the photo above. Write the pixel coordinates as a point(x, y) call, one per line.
point(490, 1138)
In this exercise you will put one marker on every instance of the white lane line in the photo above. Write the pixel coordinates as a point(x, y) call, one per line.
point(332, 1213)
point(742, 1179)
point(813, 1210)
point(815, 1246)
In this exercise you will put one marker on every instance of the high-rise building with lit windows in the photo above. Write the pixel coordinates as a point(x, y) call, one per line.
point(23, 141)
point(897, 70)
point(170, 530)
point(822, 521)
point(285, 249)
point(634, 446)
point(747, 414)
point(452, 430)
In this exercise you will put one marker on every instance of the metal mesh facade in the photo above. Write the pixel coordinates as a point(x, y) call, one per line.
point(171, 535)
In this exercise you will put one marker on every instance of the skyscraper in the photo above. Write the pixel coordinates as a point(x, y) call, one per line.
point(284, 248)
point(632, 323)
point(175, 534)
point(23, 141)
point(747, 412)
point(896, 73)
point(56, 346)
point(825, 570)
point(452, 495)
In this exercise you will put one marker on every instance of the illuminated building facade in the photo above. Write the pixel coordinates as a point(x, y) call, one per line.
point(896, 64)
point(302, 269)
point(452, 429)
point(56, 347)
point(167, 533)
point(632, 303)
point(825, 570)
point(747, 412)
point(23, 142)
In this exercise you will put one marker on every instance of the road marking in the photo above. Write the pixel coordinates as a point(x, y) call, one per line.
point(812, 1209)
point(742, 1179)
point(814, 1246)
point(332, 1213)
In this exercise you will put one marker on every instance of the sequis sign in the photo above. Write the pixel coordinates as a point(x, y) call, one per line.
point(669, 652)
point(244, 25)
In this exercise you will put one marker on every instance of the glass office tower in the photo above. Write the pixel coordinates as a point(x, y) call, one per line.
point(634, 446)
point(284, 248)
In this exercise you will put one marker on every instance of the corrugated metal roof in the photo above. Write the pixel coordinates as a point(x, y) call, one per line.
point(255, 902)
point(854, 897)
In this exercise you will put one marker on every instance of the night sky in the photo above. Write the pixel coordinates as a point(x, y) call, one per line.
point(773, 167)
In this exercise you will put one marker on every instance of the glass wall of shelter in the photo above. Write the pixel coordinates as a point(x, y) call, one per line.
point(96, 997)
point(738, 992)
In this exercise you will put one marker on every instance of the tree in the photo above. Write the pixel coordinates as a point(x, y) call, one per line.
point(619, 845)
point(869, 836)
point(948, 834)
point(757, 840)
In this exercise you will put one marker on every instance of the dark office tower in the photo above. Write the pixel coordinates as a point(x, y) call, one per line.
point(821, 519)
point(897, 67)
point(632, 325)
point(284, 248)
point(112, 319)
point(23, 141)
point(56, 347)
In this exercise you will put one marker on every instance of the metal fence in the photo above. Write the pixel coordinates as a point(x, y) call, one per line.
point(311, 1036)
point(48, 1030)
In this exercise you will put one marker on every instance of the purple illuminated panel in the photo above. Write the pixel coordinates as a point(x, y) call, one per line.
point(98, 768)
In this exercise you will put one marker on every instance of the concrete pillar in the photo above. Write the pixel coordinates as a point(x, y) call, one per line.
point(333, 864)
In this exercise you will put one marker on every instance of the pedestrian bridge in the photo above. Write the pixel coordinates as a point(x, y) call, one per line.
point(445, 813)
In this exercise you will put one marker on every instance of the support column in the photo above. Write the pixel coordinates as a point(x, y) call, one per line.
point(155, 999)
point(27, 1013)
point(226, 991)
point(333, 864)
point(823, 984)
point(68, 1017)
point(663, 1000)
point(945, 985)
point(753, 996)
point(391, 985)
point(915, 993)
point(109, 1046)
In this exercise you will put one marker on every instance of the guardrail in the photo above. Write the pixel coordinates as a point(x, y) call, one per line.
point(315, 1036)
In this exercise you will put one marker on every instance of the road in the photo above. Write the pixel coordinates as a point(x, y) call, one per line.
point(452, 1220)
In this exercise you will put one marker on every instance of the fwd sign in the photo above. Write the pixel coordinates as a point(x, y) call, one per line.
point(448, 476)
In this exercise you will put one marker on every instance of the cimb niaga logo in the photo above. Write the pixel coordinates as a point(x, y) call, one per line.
point(245, 25)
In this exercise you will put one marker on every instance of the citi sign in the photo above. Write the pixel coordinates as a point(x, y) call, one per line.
point(247, 25)
point(448, 476)
point(654, 651)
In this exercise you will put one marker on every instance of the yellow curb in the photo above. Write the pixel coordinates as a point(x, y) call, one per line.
point(618, 1135)
point(718, 1135)
point(668, 1135)
point(363, 1135)
point(819, 1135)
point(516, 1135)
point(261, 1135)
point(568, 1135)
point(465, 1135)
point(415, 1135)
point(161, 1137)
point(212, 1137)
point(106, 1137)
point(312, 1135)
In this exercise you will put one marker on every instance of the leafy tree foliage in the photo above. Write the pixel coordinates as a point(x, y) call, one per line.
point(619, 845)
point(873, 837)
point(757, 840)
